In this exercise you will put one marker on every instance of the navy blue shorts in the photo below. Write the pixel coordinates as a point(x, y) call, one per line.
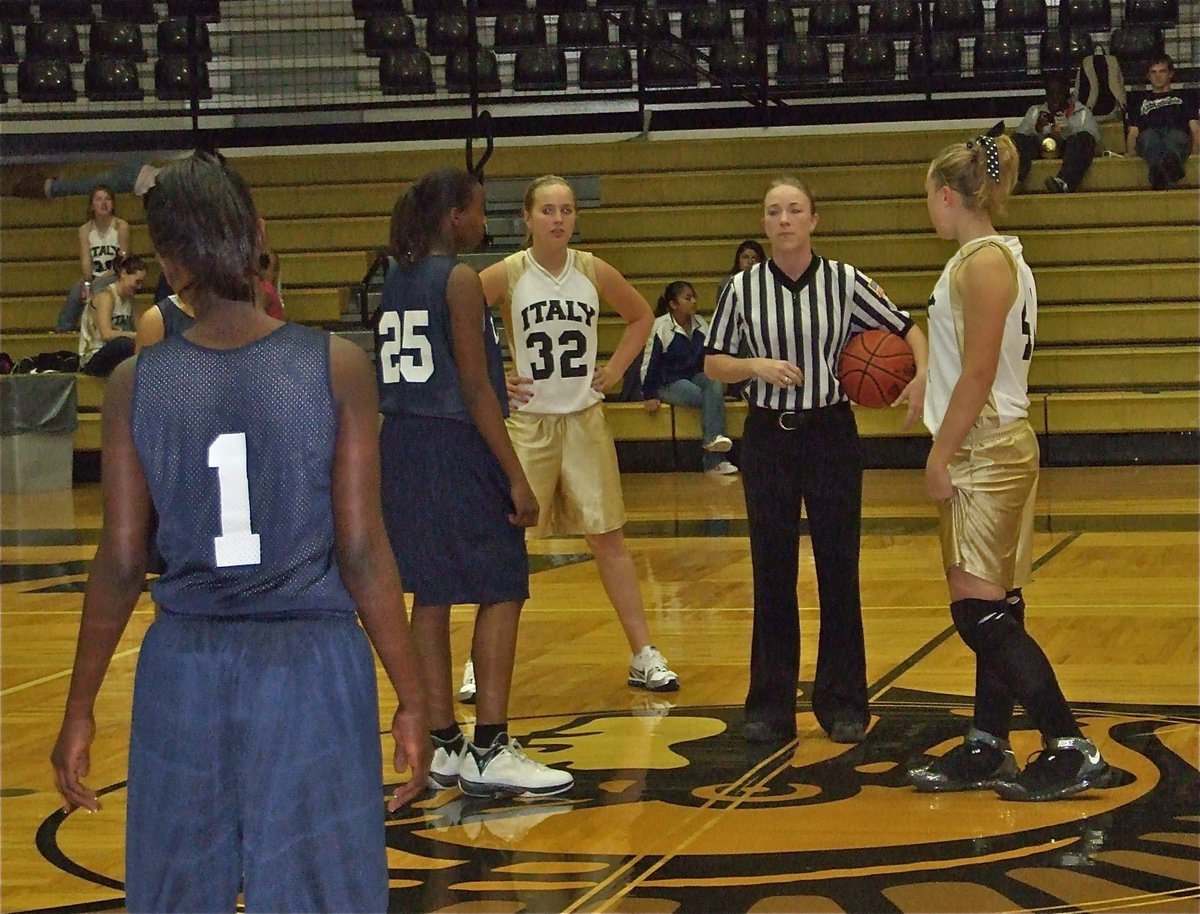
point(255, 763)
point(446, 503)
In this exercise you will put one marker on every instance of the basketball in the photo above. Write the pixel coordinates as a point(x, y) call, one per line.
point(875, 367)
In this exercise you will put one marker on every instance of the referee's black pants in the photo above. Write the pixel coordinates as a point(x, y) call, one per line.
point(817, 463)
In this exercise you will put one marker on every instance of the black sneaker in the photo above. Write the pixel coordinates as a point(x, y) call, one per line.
point(1062, 769)
point(971, 765)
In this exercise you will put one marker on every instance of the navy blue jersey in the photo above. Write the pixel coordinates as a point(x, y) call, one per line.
point(414, 349)
point(175, 321)
point(237, 448)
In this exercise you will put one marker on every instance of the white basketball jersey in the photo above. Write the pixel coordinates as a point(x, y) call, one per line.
point(551, 325)
point(1009, 397)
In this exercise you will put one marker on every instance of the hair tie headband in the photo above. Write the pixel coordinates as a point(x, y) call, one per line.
point(991, 153)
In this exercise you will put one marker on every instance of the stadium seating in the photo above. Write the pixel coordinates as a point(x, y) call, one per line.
point(945, 63)
point(669, 66)
point(77, 11)
point(519, 30)
point(605, 68)
point(802, 62)
point(57, 40)
point(45, 79)
point(705, 25)
point(654, 25)
point(171, 39)
point(208, 10)
point(958, 16)
point(15, 12)
point(582, 29)
point(8, 44)
point(734, 62)
point(1133, 46)
point(139, 11)
point(833, 18)
point(1053, 55)
point(1087, 14)
point(1026, 15)
point(780, 21)
point(406, 71)
point(116, 39)
point(111, 79)
point(869, 57)
point(388, 33)
point(540, 69)
point(458, 70)
point(176, 80)
point(446, 32)
point(1162, 13)
point(1000, 53)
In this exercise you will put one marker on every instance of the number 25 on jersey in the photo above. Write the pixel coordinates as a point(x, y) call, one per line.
point(404, 350)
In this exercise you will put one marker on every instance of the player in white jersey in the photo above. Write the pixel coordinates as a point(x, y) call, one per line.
point(982, 471)
point(550, 302)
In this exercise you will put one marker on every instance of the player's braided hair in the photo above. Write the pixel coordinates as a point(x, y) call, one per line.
point(201, 217)
point(982, 170)
point(417, 216)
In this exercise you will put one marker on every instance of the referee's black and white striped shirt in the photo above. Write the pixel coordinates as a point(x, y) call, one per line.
point(806, 322)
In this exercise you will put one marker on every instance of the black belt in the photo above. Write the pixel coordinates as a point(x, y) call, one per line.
point(792, 419)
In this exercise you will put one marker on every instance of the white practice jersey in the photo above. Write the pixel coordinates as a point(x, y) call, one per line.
point(1009, 397)
point(551, 325)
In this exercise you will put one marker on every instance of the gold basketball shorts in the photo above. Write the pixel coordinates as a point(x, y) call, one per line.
point(570, 461)
point(987, 526)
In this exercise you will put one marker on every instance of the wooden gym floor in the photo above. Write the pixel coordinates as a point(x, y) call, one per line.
point(671, 810)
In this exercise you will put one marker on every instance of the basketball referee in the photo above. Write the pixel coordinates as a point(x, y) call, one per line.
point(795, 313)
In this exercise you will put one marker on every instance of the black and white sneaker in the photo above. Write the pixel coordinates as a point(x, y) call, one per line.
point(971, 765)
point(504, 770)
point(1065, 767)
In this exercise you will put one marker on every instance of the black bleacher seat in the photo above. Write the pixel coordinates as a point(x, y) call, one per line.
point(116, 39)
point(496, 7)
point(140, 11)
point(45, 80)
point(367, 9)
point(446, 32)
point(802, 62)
point(945, 63)
point(3, 88)
point(1028, 15)
point(869, 58)
point(540, 69)
point(174, 79)
point(833, 18)
point(429, 8)
point(8, 44)
point(15, 12)
point(582, 29)
point(1087, 14)
point(1164, 13)
point(655, 25)
point(605, 68)
point(388, 33)
point(111, 79)
point(958, 16)
point(558, 7)
point(734, 62)
point(208, 10)
point(58, 40)
point(519, 30)
point(668, 66)
point(458, 70)
point(1054, 55)
point(406, 71)
point(1000, 53)
point(78, 11)
point(894, 17)
point(1133, 46)
point(780, 21)
point(706, 24)
point(171, 39)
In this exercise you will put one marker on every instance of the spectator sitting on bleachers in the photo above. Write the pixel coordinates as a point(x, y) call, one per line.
point(1069, 122)
point(109, 324)
point(748, 253)
point(1164, 125)
point(673, 371)
point(101, 238)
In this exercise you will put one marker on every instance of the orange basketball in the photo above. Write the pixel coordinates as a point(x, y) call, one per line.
point(875, 367)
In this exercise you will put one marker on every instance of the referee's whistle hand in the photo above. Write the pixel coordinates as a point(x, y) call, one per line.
point(779, 372)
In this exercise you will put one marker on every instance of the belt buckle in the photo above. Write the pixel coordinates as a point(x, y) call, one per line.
point(785, 417)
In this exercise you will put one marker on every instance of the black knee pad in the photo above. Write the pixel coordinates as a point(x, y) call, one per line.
point(984, 624)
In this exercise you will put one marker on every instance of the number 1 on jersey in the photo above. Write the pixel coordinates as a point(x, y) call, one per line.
point(237, 544)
